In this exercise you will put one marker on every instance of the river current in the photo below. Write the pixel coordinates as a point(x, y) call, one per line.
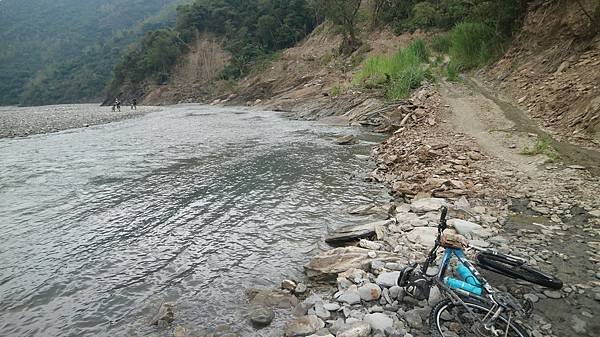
point(190, 205)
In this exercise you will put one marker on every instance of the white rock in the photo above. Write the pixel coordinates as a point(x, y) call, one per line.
point(463, 227)
point(331, 306)
point(350, 296)
point(410, 219)
point(321, 312)
point(595, 213)
point(427, 205)
point(357, 329)
point(370, 244)
point(423, 235)
point(303, 326)
point(388, 279)
point(379, 321)
point(369, 292)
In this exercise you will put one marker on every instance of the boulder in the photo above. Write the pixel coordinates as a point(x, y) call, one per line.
point(427, 205)
point(326, 265)
point(303, 326)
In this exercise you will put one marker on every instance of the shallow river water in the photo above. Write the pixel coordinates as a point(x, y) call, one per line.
point(192, 204)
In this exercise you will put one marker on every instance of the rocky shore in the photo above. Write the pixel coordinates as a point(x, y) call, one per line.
point(543, 211)
point(21, 122)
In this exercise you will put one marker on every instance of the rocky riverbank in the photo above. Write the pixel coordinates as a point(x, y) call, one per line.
point(532, 207)
point(21, 122)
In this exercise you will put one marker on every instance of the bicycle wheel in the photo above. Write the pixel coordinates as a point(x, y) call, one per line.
point(502, 265)
point(450, 320)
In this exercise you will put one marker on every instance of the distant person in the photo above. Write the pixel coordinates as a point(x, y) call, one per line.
point(134, 104)
point(118, 104)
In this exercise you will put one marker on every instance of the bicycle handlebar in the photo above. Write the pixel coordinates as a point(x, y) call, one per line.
point(442, 226)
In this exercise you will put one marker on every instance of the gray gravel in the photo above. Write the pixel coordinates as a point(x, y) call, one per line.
point(20, 122)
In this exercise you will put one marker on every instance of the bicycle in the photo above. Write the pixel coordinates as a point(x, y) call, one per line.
point(479, 309)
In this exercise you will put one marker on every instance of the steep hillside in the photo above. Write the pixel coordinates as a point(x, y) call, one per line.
point(57, 51)
point(552, 68)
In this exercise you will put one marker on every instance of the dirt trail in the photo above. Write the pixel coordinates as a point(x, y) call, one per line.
point(550, 203)
point(475, 115)
point(504, 131)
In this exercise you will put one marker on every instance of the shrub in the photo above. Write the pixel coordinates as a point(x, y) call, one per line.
point(418, 48)
point(398, 74)
point(473, 45)
point(441, 43)
point(424, 14)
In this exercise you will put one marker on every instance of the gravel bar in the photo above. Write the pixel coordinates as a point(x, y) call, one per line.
point(25, 121)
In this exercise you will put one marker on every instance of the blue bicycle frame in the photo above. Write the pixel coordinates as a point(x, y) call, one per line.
point(460, 256)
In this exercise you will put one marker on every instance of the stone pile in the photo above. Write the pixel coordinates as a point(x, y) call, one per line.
point(367, 300)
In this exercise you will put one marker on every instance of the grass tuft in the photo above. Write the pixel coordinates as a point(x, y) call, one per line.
point(543, 145)
point(441, 43)
point(398, 74)
point(336, 90)
point(473, 45)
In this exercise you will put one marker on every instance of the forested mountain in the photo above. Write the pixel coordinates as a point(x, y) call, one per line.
point(64, 50)
point(251, 29)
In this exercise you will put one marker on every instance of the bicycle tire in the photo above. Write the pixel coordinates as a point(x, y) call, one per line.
point(501, 265)
point(436, 317)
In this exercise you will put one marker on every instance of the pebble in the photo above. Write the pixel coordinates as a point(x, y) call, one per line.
point(532, 297)
point(300, 288)
point(288, 285)
point(552, 294)
point(261, 316)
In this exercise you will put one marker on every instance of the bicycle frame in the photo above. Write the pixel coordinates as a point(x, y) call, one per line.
point(457, 296)
point(460, 256)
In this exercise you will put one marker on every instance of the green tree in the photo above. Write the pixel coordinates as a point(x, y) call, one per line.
point(344, 14)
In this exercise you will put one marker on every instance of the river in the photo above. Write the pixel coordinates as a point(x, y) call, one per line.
point(192, 205)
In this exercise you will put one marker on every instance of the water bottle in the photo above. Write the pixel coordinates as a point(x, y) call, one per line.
point(458, 284)
point(467, 275)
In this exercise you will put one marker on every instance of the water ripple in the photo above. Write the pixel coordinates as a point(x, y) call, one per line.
point(191, 204)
